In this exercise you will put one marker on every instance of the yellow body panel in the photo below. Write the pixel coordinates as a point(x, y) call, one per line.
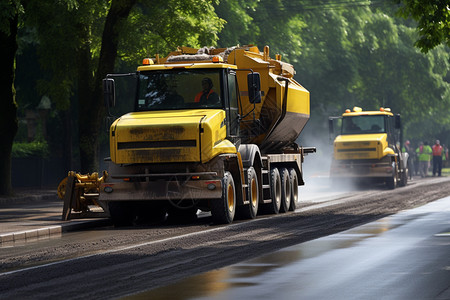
point(213, 140)
point(201, 65)
point(295, 117)
point(361, 146)
point(300, 103)
point(169, 136)
point(269, 71)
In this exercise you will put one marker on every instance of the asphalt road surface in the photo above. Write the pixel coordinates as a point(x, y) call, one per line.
point(105, 263)
point(403, 256)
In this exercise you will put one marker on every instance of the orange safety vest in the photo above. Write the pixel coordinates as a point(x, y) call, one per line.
point(199, 95)
point(437, 150)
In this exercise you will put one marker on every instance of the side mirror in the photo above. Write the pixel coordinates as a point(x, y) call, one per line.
point(398, 122)
point(254, 87)
point(331, 127)
point(109, 92)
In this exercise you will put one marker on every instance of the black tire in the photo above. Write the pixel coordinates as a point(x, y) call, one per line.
point(404, 178)
point(121, 213)
point(249, 211)
point(224, 209)
point(294, 189)
point(391, 182)
point(285, 190)
point(275, 191)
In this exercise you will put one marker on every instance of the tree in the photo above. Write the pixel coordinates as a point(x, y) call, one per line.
point(9, 16)
point(433, 18)
point(86, 39)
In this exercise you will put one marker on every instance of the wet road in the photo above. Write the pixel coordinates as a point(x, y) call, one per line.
point(403, 256)
point(284, 256)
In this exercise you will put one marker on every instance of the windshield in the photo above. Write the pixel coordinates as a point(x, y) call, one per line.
point(179, 89)
point(363, 124)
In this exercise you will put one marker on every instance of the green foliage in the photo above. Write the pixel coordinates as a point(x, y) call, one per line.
point(33, 149)
point(74, 25)
point(163, 26)
point(265, 22)
point(8, 9)
point(239, 27)
point(433, 21)
point(77, 26)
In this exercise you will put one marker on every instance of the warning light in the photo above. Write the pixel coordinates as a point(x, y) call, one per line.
point(217, 59)
point(147, 61)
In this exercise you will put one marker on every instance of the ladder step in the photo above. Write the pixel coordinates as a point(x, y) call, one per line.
point(91, 195)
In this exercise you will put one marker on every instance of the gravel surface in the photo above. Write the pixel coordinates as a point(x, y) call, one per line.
point(107, 263)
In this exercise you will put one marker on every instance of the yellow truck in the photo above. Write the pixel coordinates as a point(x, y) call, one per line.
point(212, 130)
point(369, 147)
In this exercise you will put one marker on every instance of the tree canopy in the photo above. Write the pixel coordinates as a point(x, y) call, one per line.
point(433, 21)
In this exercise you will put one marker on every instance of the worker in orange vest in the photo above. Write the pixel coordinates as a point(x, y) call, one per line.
point(207, 95)
point(437, 158)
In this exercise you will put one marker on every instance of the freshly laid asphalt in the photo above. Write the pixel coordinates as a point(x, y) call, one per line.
point(36, 214)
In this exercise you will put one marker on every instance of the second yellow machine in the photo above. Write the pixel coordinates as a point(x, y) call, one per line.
point(211, 129)
point(368, 147)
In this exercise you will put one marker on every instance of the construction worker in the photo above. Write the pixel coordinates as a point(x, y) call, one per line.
point(444, 156)
point(411, 157)
point(424, 153)
point(437, 158)
point(207, 95)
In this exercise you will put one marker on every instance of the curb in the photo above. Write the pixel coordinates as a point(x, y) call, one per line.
point(24, 199)
point(49, 231)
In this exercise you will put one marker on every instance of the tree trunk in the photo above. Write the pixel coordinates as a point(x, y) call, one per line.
point(87, 106)
point(92, 108)
point(8, 111)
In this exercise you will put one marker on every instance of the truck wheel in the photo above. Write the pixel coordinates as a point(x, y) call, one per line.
point(404, 178)
point(223, 210)
point(285, 190)
point(391, 182)
point(294, 189)
point(121, 213)
point(250, 210)
point(275, 191)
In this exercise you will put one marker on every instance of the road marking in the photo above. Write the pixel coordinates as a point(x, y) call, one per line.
point(443, 234)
